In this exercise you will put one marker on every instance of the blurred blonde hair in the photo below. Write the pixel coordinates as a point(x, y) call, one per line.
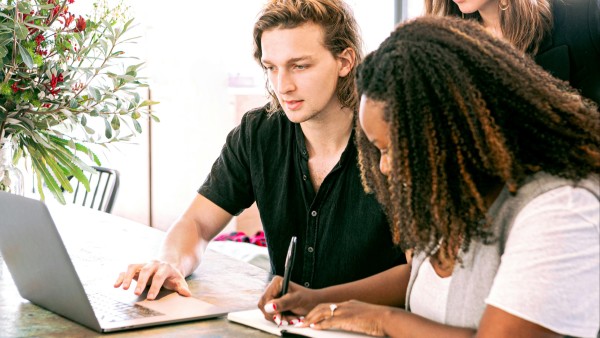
point(524, 23)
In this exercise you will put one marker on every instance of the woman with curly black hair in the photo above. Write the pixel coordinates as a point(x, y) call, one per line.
point(488, 169)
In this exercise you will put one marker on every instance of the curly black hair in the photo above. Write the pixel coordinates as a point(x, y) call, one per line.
point(465, 109)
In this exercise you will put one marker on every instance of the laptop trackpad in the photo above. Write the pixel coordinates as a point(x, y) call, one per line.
point(173, 304)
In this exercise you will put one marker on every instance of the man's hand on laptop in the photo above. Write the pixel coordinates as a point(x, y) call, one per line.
point(158, 273)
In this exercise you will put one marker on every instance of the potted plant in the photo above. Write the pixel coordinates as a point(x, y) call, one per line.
point(60, 75)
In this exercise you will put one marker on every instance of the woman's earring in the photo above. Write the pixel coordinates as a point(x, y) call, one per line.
point(504, 6)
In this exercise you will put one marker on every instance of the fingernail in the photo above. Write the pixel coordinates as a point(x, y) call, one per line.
point(299, 324)
point(301, 318)
point(284, 323)
point(312, 326)
point(277, 319)
point(151, 295)
point(270, 307)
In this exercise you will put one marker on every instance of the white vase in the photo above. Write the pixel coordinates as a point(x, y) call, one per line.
point(11, 178)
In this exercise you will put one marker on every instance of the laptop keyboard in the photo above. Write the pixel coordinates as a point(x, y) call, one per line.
point(112, 310)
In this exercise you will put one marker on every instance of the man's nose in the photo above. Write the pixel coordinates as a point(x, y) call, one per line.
point(285, 84)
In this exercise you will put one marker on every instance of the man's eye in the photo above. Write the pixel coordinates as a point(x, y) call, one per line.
point(301, 67)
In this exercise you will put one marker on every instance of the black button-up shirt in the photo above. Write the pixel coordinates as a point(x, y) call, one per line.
point(342, 232)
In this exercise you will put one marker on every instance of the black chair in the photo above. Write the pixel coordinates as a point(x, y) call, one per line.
point(104, 186)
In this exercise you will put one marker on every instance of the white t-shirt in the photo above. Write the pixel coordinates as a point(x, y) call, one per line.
point(550, 270)
point(429, 295)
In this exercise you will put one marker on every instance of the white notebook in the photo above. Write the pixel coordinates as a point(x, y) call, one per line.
point(255, 319)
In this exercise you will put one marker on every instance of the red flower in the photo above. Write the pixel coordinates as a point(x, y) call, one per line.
point(68, 19)
point(71, 1)
point(53, 82)
point(39, 39)
point(14, 87)
point(80, 24)
point(40, 51)
point(55, 11)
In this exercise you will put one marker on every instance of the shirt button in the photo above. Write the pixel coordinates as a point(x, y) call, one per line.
point(306, 284)
point(304, 177)
point(313, 213)
point(310, 249)
point(303, 152)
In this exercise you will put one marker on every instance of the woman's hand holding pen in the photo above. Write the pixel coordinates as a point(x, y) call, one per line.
point(288, 308)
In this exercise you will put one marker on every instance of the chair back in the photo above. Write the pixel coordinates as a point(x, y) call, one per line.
point(104, 185)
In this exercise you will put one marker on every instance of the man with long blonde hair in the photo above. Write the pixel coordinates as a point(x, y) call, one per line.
point(294, 157)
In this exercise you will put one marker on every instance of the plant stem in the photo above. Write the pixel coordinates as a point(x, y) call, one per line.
point(2, 129)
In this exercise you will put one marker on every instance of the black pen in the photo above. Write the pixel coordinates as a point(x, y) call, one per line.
point(289, 264)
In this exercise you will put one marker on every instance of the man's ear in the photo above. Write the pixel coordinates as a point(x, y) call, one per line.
point(346, 60)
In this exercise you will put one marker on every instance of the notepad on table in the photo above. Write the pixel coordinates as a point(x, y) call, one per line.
point(255, 319)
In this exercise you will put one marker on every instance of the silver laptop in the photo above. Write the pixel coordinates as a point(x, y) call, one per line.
point(44, 274)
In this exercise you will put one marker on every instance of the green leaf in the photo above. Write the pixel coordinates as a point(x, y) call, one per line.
point(6, 16)
point(29, 24)
point(89, 130)
point(23, 6)
point(137, 125)
point(148, 103)
point(126, 26)
point(78, 147)
point(59, 173)
point(107, 129)
point(95, 93)
point(3, 51)
point(115, 123)
point(47, 177)
point(73, 164)
point(39, 186)
point(26, 56)
point(21, 31)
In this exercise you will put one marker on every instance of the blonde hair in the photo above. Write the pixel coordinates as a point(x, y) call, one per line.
point(339, 28)
point(524, 23)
